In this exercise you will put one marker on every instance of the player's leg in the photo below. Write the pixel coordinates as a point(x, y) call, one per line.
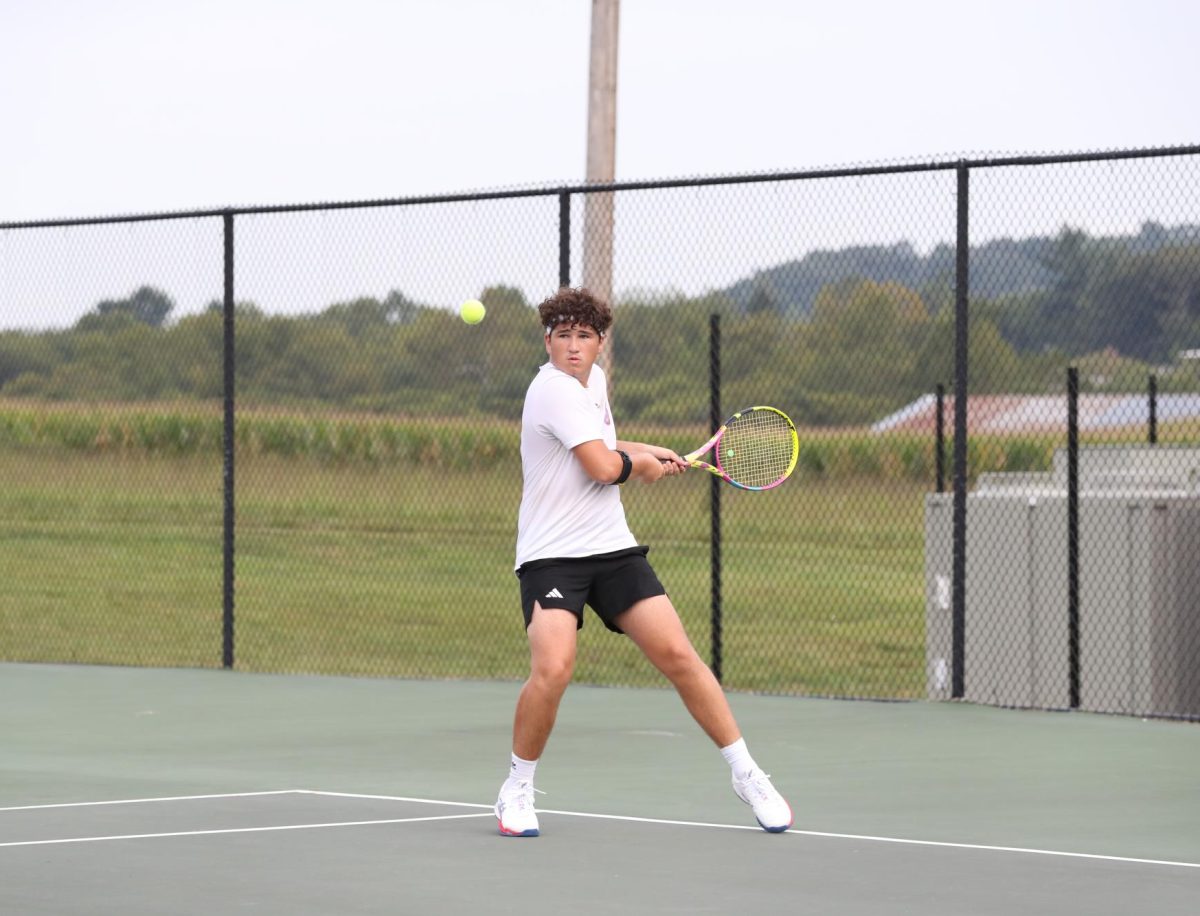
point(656, 629)
point(551, 634)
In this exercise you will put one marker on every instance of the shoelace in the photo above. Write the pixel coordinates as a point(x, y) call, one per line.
point(756, 785)
point(524, 799)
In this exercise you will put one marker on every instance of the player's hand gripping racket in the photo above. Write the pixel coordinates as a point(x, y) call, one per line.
point(756, 449)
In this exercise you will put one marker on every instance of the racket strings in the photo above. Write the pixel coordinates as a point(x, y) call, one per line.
point(757, 448)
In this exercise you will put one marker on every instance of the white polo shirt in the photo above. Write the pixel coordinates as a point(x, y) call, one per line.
point(564, 513)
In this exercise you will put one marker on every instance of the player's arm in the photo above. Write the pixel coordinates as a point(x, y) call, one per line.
point(604, 465)
point(662, 454)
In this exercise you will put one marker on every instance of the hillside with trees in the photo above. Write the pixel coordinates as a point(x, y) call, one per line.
point(840, 337)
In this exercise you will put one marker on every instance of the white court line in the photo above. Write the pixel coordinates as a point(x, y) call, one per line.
point(142, 801)
point(901, 840)
point(817, 833)
point(612, 817)
point(402, 798)
point(149, 836)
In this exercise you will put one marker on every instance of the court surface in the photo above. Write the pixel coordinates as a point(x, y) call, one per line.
point(145, 791)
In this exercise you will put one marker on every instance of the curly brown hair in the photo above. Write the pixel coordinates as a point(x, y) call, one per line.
point(575, 306)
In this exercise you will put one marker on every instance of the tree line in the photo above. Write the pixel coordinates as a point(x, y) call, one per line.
point(858, 346)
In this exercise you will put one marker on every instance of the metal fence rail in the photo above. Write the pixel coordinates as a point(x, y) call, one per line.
point(259, 437)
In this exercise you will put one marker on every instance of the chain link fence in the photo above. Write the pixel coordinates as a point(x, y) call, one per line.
point(261, 437)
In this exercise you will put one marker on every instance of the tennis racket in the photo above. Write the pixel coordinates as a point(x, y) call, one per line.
point(755, 449)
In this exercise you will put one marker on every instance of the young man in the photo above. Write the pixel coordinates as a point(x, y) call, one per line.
point(574, 547)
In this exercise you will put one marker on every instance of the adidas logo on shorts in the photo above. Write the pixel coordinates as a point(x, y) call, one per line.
point(554, 593)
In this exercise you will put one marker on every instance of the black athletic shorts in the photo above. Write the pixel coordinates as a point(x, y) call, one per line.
point(609, 583)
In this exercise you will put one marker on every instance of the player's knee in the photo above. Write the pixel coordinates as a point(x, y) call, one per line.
point(554, 673)
point(677, 660)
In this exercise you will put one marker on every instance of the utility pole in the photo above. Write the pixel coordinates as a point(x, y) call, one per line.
point(601, 156)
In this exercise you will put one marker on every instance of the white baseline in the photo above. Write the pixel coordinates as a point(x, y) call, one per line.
point(613, 817)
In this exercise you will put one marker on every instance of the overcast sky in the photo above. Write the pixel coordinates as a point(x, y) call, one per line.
point(122, 106)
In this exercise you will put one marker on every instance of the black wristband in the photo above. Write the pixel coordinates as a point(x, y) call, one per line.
point(626, 468)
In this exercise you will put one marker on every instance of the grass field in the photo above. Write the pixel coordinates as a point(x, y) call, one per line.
point(114, 557)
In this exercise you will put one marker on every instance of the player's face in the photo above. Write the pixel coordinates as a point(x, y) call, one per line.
point(573, 349)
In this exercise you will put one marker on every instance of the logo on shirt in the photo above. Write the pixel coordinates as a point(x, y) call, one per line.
point(554, 593)
point(607, 415)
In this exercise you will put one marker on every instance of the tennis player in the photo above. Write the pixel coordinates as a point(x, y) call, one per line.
point(574, 548)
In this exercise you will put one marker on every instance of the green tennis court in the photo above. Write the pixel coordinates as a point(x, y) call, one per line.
point(186, 791)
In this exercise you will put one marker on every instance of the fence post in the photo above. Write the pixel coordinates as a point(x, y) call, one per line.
point(714, 491)
point(1153, 397)
point(961, 280)
point(228, 445)
point(1073, 534)
point(564, 239)
point(939, 437)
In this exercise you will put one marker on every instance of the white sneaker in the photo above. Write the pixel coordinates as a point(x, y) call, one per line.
point(514, 809)
point(771, 811)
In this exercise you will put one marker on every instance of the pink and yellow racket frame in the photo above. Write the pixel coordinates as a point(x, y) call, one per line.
point(718, 469)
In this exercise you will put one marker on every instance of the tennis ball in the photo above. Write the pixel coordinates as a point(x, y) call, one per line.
point(472, 311)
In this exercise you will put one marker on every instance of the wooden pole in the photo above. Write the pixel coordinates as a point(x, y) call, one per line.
point(601, 156)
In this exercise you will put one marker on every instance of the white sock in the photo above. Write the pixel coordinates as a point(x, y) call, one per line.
point(739, 759)
point(521, 769)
